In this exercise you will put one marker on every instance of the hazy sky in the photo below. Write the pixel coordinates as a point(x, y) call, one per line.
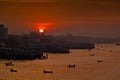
point(97, 18)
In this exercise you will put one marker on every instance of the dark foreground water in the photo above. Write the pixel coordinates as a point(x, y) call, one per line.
point(87, 67)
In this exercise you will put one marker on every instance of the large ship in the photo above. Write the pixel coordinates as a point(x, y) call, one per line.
point(18, 54)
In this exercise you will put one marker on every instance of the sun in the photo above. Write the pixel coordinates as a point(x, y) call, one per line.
point(41, 30)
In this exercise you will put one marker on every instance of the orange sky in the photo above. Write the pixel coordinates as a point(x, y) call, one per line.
point(99, 18)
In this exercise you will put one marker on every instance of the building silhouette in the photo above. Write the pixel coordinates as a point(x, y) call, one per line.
point(3, 32)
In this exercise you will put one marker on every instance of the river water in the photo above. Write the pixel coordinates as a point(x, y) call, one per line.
point(87, 67)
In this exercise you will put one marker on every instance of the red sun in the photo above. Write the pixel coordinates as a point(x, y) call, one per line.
point(41, 30)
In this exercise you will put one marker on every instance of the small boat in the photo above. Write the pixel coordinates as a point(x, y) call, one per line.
point(71, 65)
point(92, 54)
point(9, 64)
point(13, 70)
point(117, 44)
point(99, 60)
point(110, 50)
point(45, 71)
point(44, 56)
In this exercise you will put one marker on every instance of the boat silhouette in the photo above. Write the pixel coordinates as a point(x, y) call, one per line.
point(71, 65)
point(13, 70)
point(9, 64)
point(47, 71)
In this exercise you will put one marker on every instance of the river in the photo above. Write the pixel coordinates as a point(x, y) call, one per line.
point(87, 67)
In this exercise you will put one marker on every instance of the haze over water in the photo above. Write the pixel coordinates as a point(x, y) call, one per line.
point(87, 67)
point(94, 18)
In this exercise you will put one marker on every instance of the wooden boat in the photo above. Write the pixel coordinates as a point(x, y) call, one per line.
point(117, 44)
point(45, 71)
point(92, 54)
point(44, 56)
point(9, 64)
point(71, 65)
point(99, 60)
point(13, 70)
point(110, 50)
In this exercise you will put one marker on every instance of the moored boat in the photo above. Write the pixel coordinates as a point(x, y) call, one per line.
point(18, 54)
point(9, 64)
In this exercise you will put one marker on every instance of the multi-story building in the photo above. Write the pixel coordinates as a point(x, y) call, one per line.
point(3, 32)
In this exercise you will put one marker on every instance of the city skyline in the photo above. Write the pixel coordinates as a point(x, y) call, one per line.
point(86, 18)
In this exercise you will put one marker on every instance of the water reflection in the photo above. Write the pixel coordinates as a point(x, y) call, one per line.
point(87, 67)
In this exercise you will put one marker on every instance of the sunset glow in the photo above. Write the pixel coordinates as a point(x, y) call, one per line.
point(41, 30)
point(97, 18)
point(40, 27)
